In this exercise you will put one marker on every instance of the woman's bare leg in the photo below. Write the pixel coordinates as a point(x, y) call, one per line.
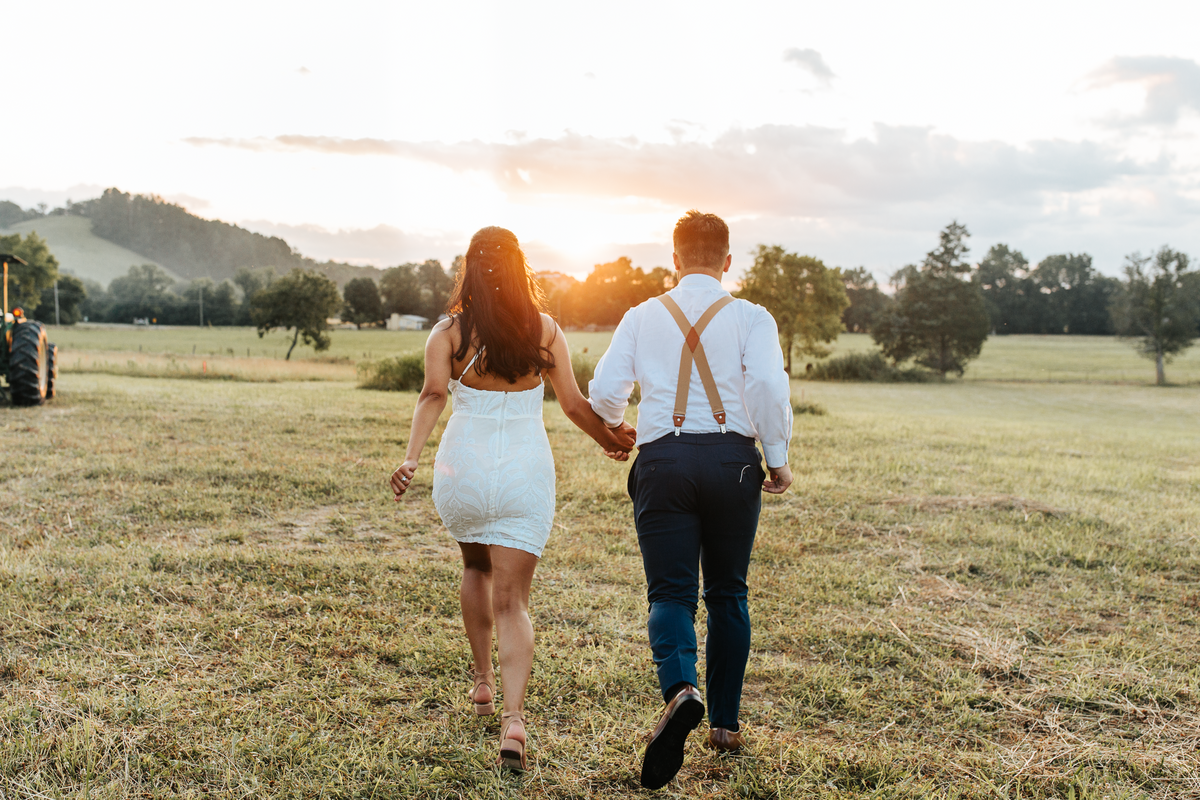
point(512, 577)
point(475, 595)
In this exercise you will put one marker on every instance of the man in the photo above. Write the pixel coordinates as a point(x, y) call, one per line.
point(712, 379)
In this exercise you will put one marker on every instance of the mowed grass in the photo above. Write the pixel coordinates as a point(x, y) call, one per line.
point(239, 354)
point(973, 590)
point(1050, 359)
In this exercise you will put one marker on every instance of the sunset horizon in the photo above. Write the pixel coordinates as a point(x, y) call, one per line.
point(849, 140)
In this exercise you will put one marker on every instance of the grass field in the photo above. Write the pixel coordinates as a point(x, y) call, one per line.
point(974, 590)
point(1049, 359)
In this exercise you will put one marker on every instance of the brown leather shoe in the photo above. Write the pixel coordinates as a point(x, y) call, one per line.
point(726, 741)
point(664, 754)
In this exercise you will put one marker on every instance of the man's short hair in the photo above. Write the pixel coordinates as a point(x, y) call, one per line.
point(701, 240)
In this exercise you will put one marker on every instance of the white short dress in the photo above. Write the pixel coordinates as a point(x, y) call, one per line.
point(493, 476)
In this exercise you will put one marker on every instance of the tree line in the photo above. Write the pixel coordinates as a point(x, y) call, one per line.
point(1061, 294)
point(942, 310)
point(938, 315)
point(147, 291)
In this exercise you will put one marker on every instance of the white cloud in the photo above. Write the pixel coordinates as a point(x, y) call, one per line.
point(1172, 86)
point(779, 170)
point(811, 62)
point(877, 201)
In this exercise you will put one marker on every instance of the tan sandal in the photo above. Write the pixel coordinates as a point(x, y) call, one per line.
point(487, 707)
point(512, 751)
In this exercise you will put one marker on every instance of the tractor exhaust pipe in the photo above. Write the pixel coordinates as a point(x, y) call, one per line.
point(7, 257)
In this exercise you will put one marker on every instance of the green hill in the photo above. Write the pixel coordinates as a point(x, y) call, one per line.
point(194, 247)
point(100, 239)
point(81, 252)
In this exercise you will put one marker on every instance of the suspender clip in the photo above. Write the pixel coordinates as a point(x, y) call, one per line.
point(678, 420)
point(719, 416)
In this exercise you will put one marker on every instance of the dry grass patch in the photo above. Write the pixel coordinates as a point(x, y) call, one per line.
point(206, 590)
point(998, 503)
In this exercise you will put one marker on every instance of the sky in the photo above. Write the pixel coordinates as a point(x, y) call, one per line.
point(378, 133)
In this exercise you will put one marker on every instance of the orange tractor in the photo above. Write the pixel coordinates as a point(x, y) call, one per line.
point(27, 360)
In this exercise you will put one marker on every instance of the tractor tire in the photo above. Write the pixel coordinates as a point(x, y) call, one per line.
point(52, 378)
point(29, 365)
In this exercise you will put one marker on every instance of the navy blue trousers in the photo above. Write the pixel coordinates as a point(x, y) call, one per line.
point(696, 499)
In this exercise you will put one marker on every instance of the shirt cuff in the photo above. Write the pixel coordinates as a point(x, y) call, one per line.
point(613, 418)
point(776, 455)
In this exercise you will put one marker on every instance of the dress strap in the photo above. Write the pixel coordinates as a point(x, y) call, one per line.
point(693, 350)
point(470, 363)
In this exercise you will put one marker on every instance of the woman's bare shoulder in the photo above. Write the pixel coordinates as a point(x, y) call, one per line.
point(445, 331)
point(550, 329)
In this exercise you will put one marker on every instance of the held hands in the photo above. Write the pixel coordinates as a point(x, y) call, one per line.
point(621, 441)
point(402, 477)
point(780, 479)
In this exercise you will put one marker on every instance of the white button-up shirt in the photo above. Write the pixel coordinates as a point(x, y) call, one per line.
point(742, 344)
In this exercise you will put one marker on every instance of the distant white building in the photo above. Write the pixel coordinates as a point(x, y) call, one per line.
point(406, 322)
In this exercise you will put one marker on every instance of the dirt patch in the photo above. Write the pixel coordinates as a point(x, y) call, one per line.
point(331, 526)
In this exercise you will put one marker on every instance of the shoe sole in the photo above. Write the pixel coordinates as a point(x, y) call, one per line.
point(664, 755)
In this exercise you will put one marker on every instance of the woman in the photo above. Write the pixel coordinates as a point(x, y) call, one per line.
point(493, 482)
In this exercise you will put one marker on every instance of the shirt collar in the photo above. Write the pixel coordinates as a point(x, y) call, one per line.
point(698, 280)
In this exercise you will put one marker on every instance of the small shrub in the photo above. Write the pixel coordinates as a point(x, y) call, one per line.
point(404, 373)
point(808, 407)
point(584, 369)
point(866, 367)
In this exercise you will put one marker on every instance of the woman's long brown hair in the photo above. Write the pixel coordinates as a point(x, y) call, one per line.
point(498, 302)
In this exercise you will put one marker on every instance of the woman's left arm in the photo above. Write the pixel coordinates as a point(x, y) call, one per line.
point(617, 442)
point(430, 404)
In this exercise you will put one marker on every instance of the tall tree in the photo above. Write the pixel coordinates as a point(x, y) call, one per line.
point(1008, 291)
point(1076, 295)
point(218, 302)
point(224, 305)
point(362, 302)
point(97, 304)
point(27, 281)
point(435, 285)
point(301, 301)
point(1157, 308)
point(805, 297)
point(250, 281)
point(141, 292)
point(610, 290)
point(866, 300)
point(939, 317)
point(71, 296)
point(400, 290)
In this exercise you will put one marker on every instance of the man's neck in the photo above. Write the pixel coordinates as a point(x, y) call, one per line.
point(715, 274)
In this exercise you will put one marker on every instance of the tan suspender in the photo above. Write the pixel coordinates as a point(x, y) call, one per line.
point(693, 350)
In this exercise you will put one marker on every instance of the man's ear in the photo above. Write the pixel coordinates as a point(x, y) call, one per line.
point(728, 262)
point(675, 259)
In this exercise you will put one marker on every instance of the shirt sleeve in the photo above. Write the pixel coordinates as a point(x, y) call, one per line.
point(768, 389)
point(612, 383)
